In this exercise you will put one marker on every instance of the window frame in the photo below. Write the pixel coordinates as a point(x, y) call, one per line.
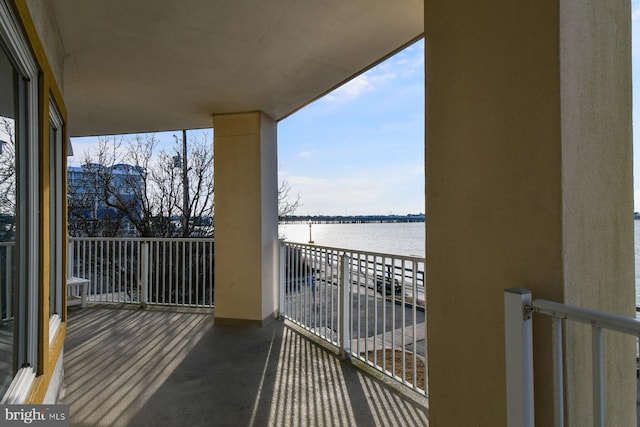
point(56, 135)
point(26, 305)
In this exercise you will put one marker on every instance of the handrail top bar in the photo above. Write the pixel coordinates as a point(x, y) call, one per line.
point(141, 239)
point(356, 251)
point(584, 315)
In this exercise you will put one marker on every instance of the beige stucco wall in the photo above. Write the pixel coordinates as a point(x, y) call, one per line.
point(46, 25)
point(246, 222)
point(519, 190)
point(597, 192)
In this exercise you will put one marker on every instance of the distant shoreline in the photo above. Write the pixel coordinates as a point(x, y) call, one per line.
point(351, 219)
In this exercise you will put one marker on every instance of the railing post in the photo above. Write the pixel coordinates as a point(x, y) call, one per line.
point(344, 311)
point(518, 357)
point(281, 278)
point(144, 285)
point(70, 259)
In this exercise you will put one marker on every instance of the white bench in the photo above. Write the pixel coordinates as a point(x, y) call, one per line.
point(73, 296)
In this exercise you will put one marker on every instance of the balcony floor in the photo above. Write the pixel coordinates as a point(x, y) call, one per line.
point(172, 367)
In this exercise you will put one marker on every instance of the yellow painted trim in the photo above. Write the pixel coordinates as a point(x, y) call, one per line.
point(65, 214)
point(47, 90)
point(41, 383)
point(44, 244)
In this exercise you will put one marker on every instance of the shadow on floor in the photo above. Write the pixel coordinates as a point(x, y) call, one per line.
point(174, 368)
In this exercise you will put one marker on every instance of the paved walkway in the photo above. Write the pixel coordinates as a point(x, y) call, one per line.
point(129, 367)
point(393, 337)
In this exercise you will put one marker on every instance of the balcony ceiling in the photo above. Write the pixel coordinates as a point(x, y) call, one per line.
point(153, 65)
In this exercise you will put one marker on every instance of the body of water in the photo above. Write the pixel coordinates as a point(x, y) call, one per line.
point(393, 238)
point(406, 238)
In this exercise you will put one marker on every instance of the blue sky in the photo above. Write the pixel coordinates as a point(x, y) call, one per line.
point(360, 149)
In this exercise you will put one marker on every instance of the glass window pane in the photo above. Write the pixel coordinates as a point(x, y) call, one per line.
point(55, 212)
point(8, 201)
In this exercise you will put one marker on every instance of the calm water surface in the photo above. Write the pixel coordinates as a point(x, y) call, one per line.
point(394, 238)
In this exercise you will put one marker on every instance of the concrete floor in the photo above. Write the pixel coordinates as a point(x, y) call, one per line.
point(155, 367)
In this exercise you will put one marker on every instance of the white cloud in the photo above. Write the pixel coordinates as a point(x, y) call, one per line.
point(362, 192)
point(635, 10)
point(357, 87)
point(406, 63)
point(307, 181)
point(351, 90)
point(305, 154)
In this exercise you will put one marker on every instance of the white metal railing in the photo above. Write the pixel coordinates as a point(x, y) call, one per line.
point(519, 307)
point(163, 271)
point(369, 305)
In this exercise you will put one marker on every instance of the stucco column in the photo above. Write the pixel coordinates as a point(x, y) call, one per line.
point(246, 218)
point(528, 184)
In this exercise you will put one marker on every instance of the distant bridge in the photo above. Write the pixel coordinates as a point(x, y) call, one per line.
point(350, 219)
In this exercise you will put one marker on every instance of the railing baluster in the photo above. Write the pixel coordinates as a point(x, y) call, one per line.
point(118, 276)
point(303, 292)
point(366, 308)
point(184, 269)
point(299, 288)
point(314, 292)
point(403, 307)
point(281, 280)
point(323, 281)
point(110, 271)
point(349, 307)
point(293, 294)
point(156, 269)
point(375, 312)
point(197, 278)
point(328, 294)
point(345, 310)
point(166, 253)
point(87, 267)
point(414, 324)
point(307, 272)
point(307, 297)
point(127, 273)
point(391, 303)
point(190, 271)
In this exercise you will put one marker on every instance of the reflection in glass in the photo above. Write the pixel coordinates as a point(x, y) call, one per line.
point(56, 199)
point(8, 84)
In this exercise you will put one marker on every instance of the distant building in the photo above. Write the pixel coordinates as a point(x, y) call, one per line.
point(94, 189)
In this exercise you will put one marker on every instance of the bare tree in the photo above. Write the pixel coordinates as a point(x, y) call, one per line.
point(193, 198)
point(130, 186)
point(7, 179)
point(287, 204)
point(131, 181)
